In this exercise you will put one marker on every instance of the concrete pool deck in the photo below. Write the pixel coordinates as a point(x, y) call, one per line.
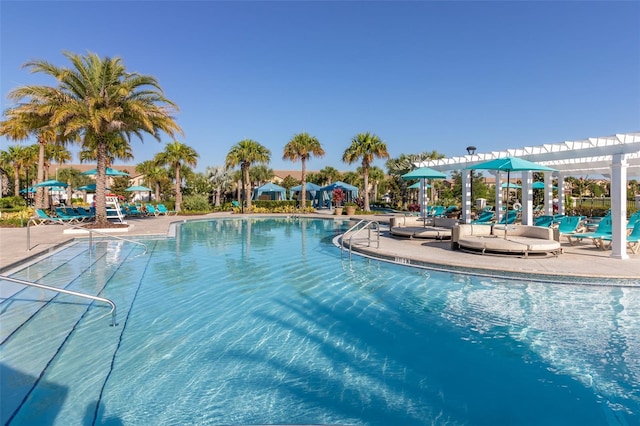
point(581, 261)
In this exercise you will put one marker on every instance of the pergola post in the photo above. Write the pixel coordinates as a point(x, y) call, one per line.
point(561, 194)
point(527, 198)
point(466, 196)
point(498, 202)
point(548, 193)
point(619, 206)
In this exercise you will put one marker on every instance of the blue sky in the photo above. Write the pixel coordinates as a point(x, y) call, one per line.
point(421, 75)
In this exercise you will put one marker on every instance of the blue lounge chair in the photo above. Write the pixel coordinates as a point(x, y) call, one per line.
point(163, 210)
point(152, 210)
point(509, 217)
point(633, 219)
point(62, 212)
point(633, 239)
point(603, 230)
point(85, 213)
point(485, 217)
point(544, 220)
point(570, 225)
point(42, 218)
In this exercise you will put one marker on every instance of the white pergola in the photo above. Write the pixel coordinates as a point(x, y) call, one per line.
point(616, 157)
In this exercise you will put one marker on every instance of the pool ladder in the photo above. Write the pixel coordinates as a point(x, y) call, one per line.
point(371, 226)
point(62, 290)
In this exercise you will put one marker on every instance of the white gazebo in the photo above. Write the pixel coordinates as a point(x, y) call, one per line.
point(616, 157)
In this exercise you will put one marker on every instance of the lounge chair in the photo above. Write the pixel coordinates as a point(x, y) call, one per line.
point(633, 219)
point(62, 212)
point(43, 218)
point(163, 210)
point(633, 239)
point(509, 217)
point(152, 210)
point(132, 210)
point(85, 213)
point(570, 225)
point(485, 217)
point(603, 230)
point(544, 220)
point(436, 211)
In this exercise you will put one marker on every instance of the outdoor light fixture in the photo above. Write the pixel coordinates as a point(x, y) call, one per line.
point(471, 150)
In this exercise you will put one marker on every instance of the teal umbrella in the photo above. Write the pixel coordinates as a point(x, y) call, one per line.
point(511, 164)
point(423, 173)
point(110, 172)
point(417, 186)
point(89, 188)
point(512, 185)
point(30, 190)
point(540, 185)
point(138, 188)
point(51, 182)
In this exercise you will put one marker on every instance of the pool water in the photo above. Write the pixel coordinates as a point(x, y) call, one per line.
point(260, 321)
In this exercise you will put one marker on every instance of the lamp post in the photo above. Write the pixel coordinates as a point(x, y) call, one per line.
point(471, 150)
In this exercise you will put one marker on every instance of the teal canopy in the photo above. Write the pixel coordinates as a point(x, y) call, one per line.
point(275, 192)
point(110, 172)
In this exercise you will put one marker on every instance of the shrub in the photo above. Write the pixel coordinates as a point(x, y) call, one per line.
point(198, 203)
point(12, 202)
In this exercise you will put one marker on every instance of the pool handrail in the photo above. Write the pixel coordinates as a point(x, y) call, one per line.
point(71, 292)
point(368, 224)
point(91, 231)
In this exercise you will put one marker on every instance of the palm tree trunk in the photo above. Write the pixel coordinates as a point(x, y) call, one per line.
point(303, 188)
point(157, 191)
point(16, 181)
point(365, 174)
point(178, 189)
point(247, 188)
point(101, 179)
point(40, 191)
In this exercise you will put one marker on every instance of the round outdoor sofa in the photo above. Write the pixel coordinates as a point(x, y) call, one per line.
point(521, 240)
point(437, 228)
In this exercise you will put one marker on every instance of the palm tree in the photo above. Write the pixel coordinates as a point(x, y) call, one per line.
point(55, 153)
point(243, 154)
point(220, 179)
point(99, 100)
point(176, 154)
point(366, 146)
point(329, 175)
point(22, 122)
point(117, 149)
point(154, 175)
point(18, 157)
point(302, 147)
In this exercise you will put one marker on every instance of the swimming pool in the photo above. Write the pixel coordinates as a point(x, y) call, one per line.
point(260, 321)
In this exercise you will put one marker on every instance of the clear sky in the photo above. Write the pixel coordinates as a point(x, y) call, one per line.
point(422, 75)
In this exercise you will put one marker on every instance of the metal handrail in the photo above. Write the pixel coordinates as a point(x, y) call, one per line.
point(62, 290)
point(369, 225)
point(91, 231)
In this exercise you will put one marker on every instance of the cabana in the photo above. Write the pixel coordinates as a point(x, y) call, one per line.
point(325, 194)
point(311, 189)
point(271, 190)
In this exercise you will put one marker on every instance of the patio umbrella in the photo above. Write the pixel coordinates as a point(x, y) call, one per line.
point(417, 186)
point(512, 185)
point(30, 190)
point(139, 188)
point(540, 185)
point(110, 172)
point(51, 182)
point(423, 173)
point(89, 188)
point(511, 164)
